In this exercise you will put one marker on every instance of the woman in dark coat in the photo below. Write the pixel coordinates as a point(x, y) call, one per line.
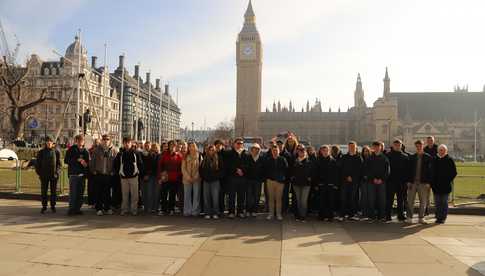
point(444, 173)
point(301, 173)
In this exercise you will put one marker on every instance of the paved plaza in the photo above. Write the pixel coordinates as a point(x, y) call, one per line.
point(55, 244)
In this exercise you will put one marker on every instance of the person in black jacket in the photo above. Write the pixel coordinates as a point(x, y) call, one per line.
point(301, 178)
point(377, 170)
point(351, 175)
point(235, 161)
point(223, 182)
point(420, 178)
point(326, 176)
point(255, 178)
point(444, 173)
point(48, 167)
point(77, 160)
point(276, 168)
point(211, 172)
point(396, 185)
point(129, 165)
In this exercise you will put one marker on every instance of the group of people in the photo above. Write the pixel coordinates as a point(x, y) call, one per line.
point(235, 182)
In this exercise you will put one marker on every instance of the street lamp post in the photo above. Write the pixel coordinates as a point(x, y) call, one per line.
point(193, 134)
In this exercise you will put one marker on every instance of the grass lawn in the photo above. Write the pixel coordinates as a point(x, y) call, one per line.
point(469, 184)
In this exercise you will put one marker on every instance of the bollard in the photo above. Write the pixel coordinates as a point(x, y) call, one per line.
point(18, 179)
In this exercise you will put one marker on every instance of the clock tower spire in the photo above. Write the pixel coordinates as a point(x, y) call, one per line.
point(249, 57)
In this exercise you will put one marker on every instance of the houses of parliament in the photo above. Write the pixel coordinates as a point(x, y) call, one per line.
point(453, 118)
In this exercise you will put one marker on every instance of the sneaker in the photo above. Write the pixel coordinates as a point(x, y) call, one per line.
point(242, 215)
point(207, 217)
point(160, 213)
point(421, 221)
point(171, 213)
point(354, 218)
point(215, 217)
point(109, 212)
point(134, 213)
point(340, 219)
point(269, 217)
point(279, 217)
point(231, 216)
point(99, 213)
point(123, 213)
point(42, 211)
point(53, 209)
point(409, 220)
point(254, 215)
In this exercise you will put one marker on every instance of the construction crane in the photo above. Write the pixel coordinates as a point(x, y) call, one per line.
point(5, 49)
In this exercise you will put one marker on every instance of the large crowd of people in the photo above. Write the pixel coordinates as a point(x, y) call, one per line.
point(231, 181)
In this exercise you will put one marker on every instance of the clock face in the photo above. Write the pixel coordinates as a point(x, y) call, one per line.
point(248, 51)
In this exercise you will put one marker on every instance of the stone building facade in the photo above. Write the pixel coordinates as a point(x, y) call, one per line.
point(454, 118)
point(142, 109)
point(59, 79)
point(100, 94)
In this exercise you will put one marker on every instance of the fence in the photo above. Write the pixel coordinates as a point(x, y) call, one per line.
point(15, 178)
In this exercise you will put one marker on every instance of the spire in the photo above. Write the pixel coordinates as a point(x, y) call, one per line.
point(359, 100)
point(249, 11)
point(249, 26)
point(387, 85)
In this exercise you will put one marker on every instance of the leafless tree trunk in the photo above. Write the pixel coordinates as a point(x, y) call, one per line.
point(13, 84)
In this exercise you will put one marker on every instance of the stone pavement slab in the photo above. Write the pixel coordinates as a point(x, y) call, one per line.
point(55, 244)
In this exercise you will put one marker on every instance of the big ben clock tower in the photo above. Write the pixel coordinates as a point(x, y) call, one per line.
point(249, 70)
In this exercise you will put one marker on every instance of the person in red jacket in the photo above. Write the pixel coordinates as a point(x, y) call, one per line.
point(169, 175)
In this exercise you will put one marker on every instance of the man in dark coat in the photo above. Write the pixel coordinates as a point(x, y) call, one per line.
point(378, 170)
point(77, 159)
point(396, 185)
point(48, 167)
point(444, 173)
point(235, 161)
point(351, 175)
point(419, 181)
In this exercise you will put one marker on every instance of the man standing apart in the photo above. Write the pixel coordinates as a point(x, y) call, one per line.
point(77, 159)
point(48, 167)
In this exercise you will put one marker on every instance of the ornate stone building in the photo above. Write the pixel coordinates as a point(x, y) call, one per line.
point(59, 79)
point(100, 94)
point(452, 117)
point(142, 109)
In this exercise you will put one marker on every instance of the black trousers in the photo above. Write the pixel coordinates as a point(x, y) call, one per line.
point(116, 192)
point(237, 191)
point(91, 190)
point(398, 190)
point(348, 201)
point(328, 194)
point(222, 195)
point(253, 195)
point(45, 184)
point(102, 187)
point(168, 194)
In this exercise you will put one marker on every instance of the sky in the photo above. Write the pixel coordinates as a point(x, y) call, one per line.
point(312, 48)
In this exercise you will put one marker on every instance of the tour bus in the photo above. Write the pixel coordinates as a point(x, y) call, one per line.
point(248, 141)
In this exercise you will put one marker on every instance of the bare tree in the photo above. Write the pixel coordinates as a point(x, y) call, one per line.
point(14, 84)
point(223, 130)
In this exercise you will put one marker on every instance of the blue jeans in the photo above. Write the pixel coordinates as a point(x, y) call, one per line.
point(253, 195)
point(212, 190)
point(192, 199)
point(151, 194)
point(377, 200)
point(441, 204)
point(76, 192)
point(301, 193)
